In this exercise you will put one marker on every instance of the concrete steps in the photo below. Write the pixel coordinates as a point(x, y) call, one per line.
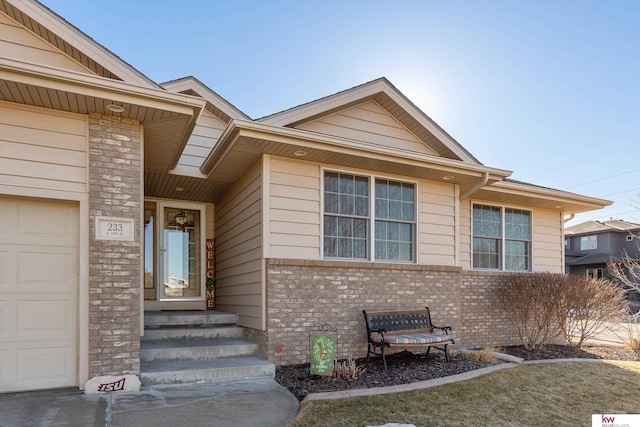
point(196, 347)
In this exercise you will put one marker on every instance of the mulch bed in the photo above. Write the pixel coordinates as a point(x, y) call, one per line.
point(406, 367)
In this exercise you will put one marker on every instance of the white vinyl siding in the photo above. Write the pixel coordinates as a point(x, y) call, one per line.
point(437, 223)
point(294, 209)
point(239, 278)
point(43, 149)
point(371, 123)
point(18, 43)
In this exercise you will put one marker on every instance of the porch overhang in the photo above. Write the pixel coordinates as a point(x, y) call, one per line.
point(168, 118)
point(518, 193)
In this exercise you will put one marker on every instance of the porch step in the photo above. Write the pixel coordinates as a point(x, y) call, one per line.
point(197, 346)
point(207, 370)
point(190, 332)
point(188, 318)
point(181, 349)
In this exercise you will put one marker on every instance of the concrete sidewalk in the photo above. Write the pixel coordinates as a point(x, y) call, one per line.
point(260, 402)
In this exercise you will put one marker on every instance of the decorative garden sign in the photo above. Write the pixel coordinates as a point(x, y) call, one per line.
point(323, 341)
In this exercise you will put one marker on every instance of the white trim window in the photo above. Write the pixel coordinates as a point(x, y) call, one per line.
point(595, 273)
point(349, 201)
point(501, 238)
point(588, 243)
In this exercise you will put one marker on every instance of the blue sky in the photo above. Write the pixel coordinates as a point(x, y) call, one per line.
point(547, 89)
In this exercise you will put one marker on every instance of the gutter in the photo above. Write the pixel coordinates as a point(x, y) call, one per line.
point(476, 187)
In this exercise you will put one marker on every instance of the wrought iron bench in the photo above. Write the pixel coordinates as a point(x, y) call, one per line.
point(404, 329)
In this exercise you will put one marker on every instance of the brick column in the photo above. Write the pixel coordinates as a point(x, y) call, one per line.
point(115, 190)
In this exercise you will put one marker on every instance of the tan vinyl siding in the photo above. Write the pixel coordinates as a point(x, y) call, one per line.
point(18, 43)
point(437, 224)
point(548, 242)
point(294, 209)
point(465, 235)
point(371, 123)
point(239, 277)
point(204, 137)
point(42, 149)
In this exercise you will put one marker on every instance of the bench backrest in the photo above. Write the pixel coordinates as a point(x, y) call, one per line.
point(402, 321)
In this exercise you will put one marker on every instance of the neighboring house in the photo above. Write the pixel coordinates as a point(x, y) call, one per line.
point(112, 186)
point(591, 245)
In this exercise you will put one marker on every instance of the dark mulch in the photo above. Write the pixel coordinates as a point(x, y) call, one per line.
point(406, 367)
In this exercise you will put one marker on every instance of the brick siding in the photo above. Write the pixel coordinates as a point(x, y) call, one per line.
point(302, 293)
point(114, 266)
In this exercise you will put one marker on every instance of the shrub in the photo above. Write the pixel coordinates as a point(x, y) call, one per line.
point(535, 303)
point(590, 305)
point(347, 370)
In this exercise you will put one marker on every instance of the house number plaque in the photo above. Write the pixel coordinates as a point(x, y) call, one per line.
point(110, 228)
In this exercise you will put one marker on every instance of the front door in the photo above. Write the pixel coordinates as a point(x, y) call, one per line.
point(174, 245)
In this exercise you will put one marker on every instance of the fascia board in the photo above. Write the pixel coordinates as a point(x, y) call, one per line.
point(547, 193)
point(324, 104)
point(90, 85)
point(81, 41)
point(315, 140)
point(191, 83)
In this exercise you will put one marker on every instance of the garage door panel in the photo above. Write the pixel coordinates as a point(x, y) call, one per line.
point(4, 319)
point(4, 267)
point(45, 319)
point(58, 228)
point(44, 365)
point(41, 271)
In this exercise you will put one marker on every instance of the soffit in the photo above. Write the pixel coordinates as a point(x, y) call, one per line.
point(167, 118)
point(509, 193)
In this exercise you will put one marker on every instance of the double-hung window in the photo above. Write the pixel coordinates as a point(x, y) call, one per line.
point(354, 211)
point(501, 238)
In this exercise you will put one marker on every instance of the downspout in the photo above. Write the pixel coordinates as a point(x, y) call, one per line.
point(470, 191)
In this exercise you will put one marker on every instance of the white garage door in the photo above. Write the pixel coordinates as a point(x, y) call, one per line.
point(38, 294)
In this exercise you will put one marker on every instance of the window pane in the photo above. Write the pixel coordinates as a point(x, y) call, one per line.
point(345, 227)
point(517, 224)
point(360, 228)
point(330, 202)
point(395, 210)
point(382, 189)
point(408, 193)
point(362, 186)
point(516, 255)
point(331, 182)
point(408, 211)
point(382, 208)
point(362, 206)
point(330, 226)
point(347, 184)
point(344, 248)
point(330, 247)
point(395, 190)
point(381, 249)
point(360, 248)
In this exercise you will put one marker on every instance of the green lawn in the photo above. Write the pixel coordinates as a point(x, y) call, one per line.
point(557, 394)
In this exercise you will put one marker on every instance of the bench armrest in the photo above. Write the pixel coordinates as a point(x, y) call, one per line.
point(445, 329)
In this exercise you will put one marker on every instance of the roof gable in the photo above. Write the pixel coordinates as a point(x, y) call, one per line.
point(53, 30)
point(369, 122)
point(20, 44)
point(388, 98)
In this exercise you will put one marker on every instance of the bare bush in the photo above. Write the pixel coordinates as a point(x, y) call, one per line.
point(591, 305)
point(535, 303)
point(347, 370)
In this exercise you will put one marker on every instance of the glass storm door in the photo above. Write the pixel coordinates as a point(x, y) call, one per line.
point(180, 253)
point(173, 251)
